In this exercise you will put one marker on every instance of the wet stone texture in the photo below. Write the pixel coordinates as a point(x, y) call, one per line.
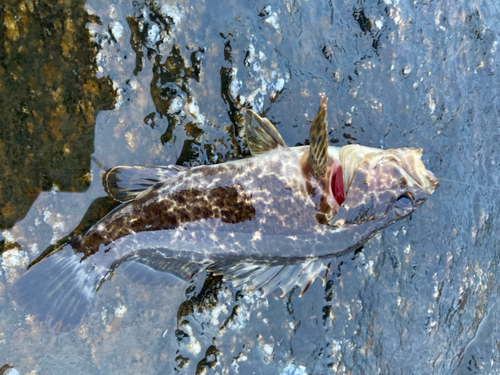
point(420, 297)
point(49, 97)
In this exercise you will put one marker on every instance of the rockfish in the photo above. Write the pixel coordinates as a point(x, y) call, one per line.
point(276, 219)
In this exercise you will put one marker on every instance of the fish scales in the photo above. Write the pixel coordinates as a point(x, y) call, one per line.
point(205, 201)
point(276, 219)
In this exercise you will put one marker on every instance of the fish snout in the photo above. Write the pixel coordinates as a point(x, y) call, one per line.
point(413, 165)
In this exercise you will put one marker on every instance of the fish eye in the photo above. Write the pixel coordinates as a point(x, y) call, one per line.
point(403, 205)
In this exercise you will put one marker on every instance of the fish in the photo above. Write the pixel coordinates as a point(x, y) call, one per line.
point(276, 219)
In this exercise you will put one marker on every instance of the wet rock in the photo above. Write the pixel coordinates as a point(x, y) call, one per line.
point(49, 99)
point(419, 298)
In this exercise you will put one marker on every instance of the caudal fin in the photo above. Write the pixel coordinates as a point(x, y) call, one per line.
point(57, 290)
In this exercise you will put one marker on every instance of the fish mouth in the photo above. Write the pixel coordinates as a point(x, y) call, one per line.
point(415, 168)
point(408, 158)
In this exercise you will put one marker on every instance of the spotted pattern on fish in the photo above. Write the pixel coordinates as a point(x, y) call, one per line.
point(229, 204)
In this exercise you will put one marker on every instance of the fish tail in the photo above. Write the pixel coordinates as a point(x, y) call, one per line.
point(58, 290)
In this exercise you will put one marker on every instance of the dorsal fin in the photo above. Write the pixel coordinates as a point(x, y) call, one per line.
point(318, 140)
point(262, 136)
point(124, 183)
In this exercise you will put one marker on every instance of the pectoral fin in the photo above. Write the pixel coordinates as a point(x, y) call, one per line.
point(318, 140)
point(267, 277)
point(124, 183)
point(262, 136)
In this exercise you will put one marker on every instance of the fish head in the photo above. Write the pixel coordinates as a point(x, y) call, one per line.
point(382, 186)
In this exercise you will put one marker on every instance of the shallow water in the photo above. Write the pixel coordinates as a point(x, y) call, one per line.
point(421, 297)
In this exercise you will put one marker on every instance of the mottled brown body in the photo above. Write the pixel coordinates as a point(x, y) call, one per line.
point(267, 193)
point(228, 204)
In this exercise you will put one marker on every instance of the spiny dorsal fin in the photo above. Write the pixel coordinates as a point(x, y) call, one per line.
point(267, 277)
point(125, 183)
point(262, 136)
point(318, 140)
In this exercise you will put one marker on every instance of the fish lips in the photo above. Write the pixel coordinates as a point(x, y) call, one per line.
point(415, 168)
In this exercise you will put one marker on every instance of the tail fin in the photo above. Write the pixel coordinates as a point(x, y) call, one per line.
point(57, 290)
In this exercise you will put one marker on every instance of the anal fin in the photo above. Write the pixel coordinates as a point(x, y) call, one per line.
point(124, 183)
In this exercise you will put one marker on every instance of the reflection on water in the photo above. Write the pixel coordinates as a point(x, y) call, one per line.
point(417, 299)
